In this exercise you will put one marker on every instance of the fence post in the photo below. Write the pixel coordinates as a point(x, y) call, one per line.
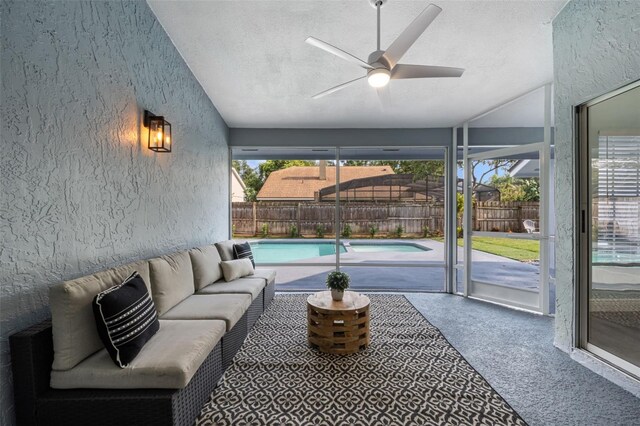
point(519, 217)
point(298, 219)
point(255, 219)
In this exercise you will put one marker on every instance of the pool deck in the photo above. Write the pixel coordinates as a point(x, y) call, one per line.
point(402, 271)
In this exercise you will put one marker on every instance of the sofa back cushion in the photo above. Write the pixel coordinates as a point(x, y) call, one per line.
point(206, 266)
point(171, 280)
point(225, 249)
point(75, 336)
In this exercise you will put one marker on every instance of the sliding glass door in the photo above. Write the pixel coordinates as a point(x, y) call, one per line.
point(610, 228)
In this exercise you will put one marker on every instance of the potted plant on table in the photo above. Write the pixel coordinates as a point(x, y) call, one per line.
point(338, 282)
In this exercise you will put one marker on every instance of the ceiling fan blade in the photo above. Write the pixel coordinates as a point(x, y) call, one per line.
point(336, 88)
point(409, 36)
point(338, 52)
point(401, 71)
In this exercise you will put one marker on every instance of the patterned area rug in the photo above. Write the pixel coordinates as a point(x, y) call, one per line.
point(409, 375)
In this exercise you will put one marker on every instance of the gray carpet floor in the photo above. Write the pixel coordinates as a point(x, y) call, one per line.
point(514, 352)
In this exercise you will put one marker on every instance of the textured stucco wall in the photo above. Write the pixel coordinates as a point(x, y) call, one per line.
point(596, 49)
point(80, 192)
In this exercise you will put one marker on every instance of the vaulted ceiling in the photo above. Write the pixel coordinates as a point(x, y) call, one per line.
point(251, 59)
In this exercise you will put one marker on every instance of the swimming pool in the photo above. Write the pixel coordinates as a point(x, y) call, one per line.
point(395, 247)
point(611, 257)
point(275, 252)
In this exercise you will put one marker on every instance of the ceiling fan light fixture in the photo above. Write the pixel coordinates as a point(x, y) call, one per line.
point(378, 77)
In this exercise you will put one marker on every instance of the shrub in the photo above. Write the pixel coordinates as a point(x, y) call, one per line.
point(265, 230)
point(373, 230)
point(337, 280)
point(426, 232)
point(460, 232)
point(346, 231)
point(320, 230)
point(399, 231)
point(293, 231)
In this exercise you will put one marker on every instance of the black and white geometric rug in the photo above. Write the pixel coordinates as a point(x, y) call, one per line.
point(409, 375)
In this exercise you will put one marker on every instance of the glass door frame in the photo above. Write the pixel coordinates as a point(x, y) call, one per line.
point(584, 238)
point(511, 296)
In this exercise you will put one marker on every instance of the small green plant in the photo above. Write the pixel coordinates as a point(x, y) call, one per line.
point(373, 230)
point(399, 231)
point(233, 229)
point(346, 231)
point(337, 280)
point(460, 232)
point(265, 230)
point(293, 231)
point(320, 230)
point(426, 232)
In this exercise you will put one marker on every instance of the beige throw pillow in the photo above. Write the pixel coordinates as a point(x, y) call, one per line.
point(234, 269)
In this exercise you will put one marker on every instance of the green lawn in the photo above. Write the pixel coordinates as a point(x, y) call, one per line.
point(521, 250)
point(513, 249)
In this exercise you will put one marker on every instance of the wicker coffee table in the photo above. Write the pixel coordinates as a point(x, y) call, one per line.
point(338, 327)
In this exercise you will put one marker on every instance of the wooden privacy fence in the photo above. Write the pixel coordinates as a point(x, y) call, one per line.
point(414, 218)
point(500, 216)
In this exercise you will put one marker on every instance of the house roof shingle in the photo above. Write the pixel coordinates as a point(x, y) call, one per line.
point(302, 182)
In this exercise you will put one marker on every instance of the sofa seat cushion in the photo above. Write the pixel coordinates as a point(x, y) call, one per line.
point(171, 280)
point(206, 266)
point(75, 336)
point(226, 307)
point(269, 275)
point(247, 285)
point(168, 360)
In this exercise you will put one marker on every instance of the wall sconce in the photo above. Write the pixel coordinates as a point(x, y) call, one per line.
point(159, 132)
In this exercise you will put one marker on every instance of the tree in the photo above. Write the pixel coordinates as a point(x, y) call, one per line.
point(269, 166)
point(516, 189)
point(251, 180)
point(481, 171)
point(420, 169)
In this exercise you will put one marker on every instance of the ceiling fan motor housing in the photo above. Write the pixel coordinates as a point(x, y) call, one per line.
point(376, 60)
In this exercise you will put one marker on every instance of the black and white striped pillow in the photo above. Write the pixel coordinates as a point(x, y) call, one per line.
point(241, 251)
point(126, 319)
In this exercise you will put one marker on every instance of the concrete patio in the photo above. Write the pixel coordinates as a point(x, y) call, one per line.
point(399, 271)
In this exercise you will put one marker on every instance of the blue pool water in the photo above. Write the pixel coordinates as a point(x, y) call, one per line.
point(608, 257)
point(266, 252)
point(377, 248)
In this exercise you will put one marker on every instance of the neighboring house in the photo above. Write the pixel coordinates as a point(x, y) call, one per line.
point(237, 187)
point(303, 183)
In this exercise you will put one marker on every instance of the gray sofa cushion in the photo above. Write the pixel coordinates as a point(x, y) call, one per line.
point(206, 266)
point(171, 280)
point(168, 360)
point(225, 249)
point(248, 285)
point(75, 336)
point(227, 307)
point(269, 275)
point(234, 269)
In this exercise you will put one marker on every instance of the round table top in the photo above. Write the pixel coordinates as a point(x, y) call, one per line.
point(351, 301)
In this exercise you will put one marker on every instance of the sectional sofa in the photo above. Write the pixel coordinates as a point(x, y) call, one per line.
point(63, 375)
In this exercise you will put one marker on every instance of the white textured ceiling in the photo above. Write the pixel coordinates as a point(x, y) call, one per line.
point(251, 59)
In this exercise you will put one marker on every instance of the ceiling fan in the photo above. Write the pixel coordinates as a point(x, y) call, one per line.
point(382, 65)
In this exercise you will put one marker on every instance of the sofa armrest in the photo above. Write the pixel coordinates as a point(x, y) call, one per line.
point(31, 359)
